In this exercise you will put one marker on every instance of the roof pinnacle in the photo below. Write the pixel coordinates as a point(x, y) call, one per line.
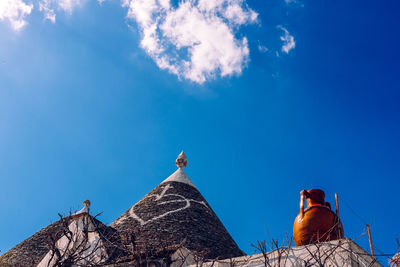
point(85, 209)
point(86, 203)
point(181, 161)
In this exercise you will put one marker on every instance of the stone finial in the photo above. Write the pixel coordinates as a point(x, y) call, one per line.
point(85, 209)
point(86, 203)
point(181, 161)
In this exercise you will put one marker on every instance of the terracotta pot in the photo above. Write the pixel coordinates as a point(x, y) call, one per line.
point(317, 223)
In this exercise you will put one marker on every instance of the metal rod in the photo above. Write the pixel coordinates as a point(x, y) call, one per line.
point(337, 204)
point(337, 215)
point(370, 242)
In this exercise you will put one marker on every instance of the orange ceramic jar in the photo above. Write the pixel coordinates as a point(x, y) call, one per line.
point(317, 223)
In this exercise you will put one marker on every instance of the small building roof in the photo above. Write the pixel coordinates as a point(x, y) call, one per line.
point(31, 251)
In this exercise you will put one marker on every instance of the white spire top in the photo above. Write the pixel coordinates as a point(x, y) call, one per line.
point(85, 209)
point(179, 175)
point(181, 161)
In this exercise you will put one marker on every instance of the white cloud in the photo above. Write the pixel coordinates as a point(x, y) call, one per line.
point(48, 7)
point(15, 11)
point(262, 49)
point(296, 3)
point(287, 39)
point(196, 40)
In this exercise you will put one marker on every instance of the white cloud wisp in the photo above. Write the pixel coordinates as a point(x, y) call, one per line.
point(288, 40)
point(48, 7)
point(262, 48)
point(15, 11)
point(195, 40)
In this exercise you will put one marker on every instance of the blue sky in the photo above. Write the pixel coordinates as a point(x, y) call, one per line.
point(275, 97)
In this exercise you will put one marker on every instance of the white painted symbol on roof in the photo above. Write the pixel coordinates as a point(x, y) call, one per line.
point(159, 197)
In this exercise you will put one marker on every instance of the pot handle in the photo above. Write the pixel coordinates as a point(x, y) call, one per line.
point(303, 194)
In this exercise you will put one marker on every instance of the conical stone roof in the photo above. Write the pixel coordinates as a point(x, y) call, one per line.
point(176, 214)
point(33, 250)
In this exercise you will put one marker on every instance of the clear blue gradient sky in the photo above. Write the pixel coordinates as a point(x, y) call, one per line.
point(86, 113)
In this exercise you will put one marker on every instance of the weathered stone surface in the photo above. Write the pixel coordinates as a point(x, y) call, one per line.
point(176, 214)
point(32, 250)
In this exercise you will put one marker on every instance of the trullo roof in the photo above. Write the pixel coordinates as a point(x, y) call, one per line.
point(175, 213)
point(37, 250)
